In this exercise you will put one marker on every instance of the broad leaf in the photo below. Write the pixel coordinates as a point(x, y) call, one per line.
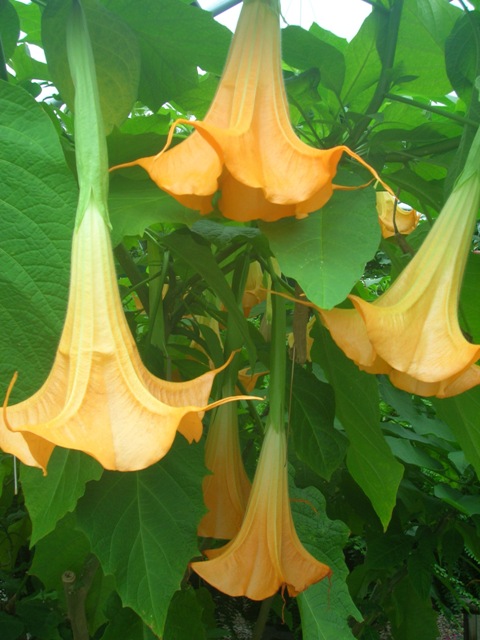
point(9, 28)
point(184, 618)
point(412, 617)
point(303, 50)
point(137, 204)
point(37, 209)
point(49, 498)
point(174, 39)
point(316, 440)
point(461, 414)
point(325, 607)
point(317, 251)
point(369, 458)
point(115, 49)
point(142, 527)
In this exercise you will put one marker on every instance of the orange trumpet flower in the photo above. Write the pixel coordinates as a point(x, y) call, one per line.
point(389, 210)
point(226, 491)
point(411, 332)
point(266, 554)
point(245, 145)
point(99, 398)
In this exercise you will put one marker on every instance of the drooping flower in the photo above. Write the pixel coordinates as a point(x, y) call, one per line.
point(412, 332)
point(99, 398)
point(245, 145)
point(255, 291)
point(226, 490)
point(266, 554)
point(392, 214)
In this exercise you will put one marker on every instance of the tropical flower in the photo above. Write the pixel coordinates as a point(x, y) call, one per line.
point(99, 398)
point(266, 554)
point(255, 292)
point(226, 491)
point(412, 332)
point(245, 145)
point(392, 214)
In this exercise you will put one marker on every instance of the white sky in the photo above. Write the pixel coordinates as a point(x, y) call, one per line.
point(342, 17)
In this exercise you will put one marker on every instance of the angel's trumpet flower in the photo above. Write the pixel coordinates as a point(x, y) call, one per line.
point(394, 217)
point(412, 332)
point(225, 491)
point(266, 554)
point(246, 146)
point(99, 398)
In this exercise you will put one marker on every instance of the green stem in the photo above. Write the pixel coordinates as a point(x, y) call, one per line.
point(385, 80)
point(90, 143)
point(262, 618)
point(278, 364)
point(128, 265)
point(432, 109)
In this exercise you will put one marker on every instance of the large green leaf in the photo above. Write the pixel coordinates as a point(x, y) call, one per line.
point(9, 28)
point(469, 315)
point(49, 498)
point(317, 251)
point(424, 28)
point(325, 607)
point(461, 413)
point(303, 50)
point(316, 440)
point(37, 209)
point(184, 618)
point(412, 617)
point(369, 458)
point(362, 65)
point(115, 49)
point(462, 56)
point(142, 527)
point(136, 204)
point(174, 39)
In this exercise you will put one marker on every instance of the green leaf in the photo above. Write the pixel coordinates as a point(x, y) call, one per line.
point(369, 458)
point(317, 251)
point(63, 549)
point(468, 505)
point(116, 53)
point(302, 49)
point(469, 316)
point(125, 624)
point(461, 54)
point(37, 208)
point(11, 626)
point(30, 22)
point(174, 39)
point(461, 414)
point(362, 65)
point(325, 607)
point(199, 256)
point(411, 616)
point(134, 205)
point(424, 28)
point(9, 28)
point(142, 527)
point(49, 498)
point(411, 454)
point(184, 619)
point(316, 440)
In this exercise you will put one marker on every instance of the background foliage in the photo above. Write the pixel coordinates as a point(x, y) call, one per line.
point(393, 478)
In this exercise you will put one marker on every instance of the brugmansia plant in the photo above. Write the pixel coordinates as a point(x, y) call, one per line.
point(282, 265)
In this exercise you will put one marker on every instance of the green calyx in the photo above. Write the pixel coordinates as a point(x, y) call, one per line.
point(90, 143)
